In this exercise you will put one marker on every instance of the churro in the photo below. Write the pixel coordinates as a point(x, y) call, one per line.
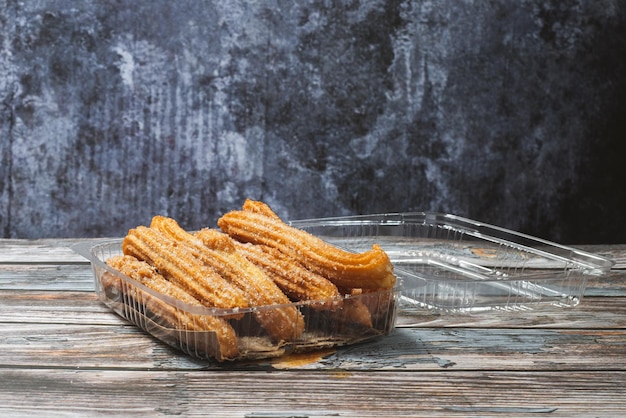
point(368, 270)
point(297, 282)
point(168, 314)
point(180, 266)
point(217, 250)
point(249, 274)
point(352, 312)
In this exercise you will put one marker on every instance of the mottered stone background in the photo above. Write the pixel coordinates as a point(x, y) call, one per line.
point(509, 112)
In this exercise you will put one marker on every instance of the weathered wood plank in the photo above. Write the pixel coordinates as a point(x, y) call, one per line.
point(593, 312)
point(52, 277)
point(68, 307)
point(395, 393)
point(65, 353)
point(484, 349)
point(42, 307)
point(82, 346)
point(121, 346)
point(55, 251)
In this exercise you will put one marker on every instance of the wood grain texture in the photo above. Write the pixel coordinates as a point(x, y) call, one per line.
point(311, 394)
point(64, 353)
point(122, 346)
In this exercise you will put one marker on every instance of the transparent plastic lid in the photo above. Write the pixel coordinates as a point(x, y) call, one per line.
point(450, 263)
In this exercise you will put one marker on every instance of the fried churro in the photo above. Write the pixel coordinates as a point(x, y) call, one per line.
point(297, 282)
point(353, 312)
point(282, 323)
point(217, 250)
point(168, 314)
point(259, 207)
point(180, 266)
point(368, 270)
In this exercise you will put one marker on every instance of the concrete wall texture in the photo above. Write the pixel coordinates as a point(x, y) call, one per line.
point(508, 112)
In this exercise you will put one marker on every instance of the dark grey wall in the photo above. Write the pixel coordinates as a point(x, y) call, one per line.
point(510, 112)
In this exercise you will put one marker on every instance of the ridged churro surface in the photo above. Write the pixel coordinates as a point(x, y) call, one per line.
point(180, 266)
point(217, 251)
point(368, 270)
point(173, 317)
point(293, 278)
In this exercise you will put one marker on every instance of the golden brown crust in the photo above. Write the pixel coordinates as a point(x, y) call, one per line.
point(368, 270)
point(353, 311)
point(284, 323)
point(297, 282)
point(217, 251)
point(259, 207)
point(144, 273)
point(378, 302)
point(180, 266)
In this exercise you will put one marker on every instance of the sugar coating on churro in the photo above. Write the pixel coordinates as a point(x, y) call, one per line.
point(179, 265)
point(367, 270)
point(144, 273)
point(217, 251)
point(293, 278)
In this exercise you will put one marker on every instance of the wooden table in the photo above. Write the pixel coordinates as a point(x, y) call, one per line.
point(64, 353)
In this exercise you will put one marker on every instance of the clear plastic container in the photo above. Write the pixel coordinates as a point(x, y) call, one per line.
point(453, 264)
point(327, 323)
point(443, 262)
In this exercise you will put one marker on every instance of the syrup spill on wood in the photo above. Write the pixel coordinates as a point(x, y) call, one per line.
point(292, 361)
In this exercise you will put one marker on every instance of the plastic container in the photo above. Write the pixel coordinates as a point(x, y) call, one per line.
point(327, 323)
point(443, 262)
point(460, 265)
